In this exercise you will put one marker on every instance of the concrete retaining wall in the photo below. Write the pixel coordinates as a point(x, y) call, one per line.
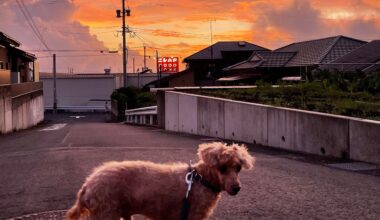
point(291, 129)
point(171, 111)
point(308, 132)
point(21, 107)
point(255, 126)
point(365, 140)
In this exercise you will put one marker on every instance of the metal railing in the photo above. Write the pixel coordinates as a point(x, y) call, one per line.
point(143, 116)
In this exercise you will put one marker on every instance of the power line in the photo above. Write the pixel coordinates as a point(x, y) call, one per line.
point(24, 10)
point(80, 55)
point(69, 50)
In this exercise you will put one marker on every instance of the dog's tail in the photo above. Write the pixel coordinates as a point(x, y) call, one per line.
point(78, 210)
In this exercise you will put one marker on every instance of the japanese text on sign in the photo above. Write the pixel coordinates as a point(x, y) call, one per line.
point(168, 64)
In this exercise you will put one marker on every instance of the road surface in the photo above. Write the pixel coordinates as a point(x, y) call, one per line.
point(42, 168)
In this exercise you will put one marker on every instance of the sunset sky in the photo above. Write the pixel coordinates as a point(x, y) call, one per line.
point(177, 28)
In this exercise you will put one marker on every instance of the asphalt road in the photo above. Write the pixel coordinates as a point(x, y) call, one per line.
point(41, 170)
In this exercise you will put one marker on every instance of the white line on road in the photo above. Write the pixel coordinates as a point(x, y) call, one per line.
point(54, 127)
point(77, 116)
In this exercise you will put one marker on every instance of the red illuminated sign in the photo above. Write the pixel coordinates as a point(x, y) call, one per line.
point(168, 64)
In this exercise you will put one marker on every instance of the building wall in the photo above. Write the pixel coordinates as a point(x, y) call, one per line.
point(5, 77)
point(290, 129)
point(186, 79)
point(21, 106)
point(141, 80)
point(79, 93)
point(3, 58)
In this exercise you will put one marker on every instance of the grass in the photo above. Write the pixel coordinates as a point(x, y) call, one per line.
point(312, 96)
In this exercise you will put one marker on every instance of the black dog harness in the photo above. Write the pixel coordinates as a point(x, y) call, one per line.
point(193, 176)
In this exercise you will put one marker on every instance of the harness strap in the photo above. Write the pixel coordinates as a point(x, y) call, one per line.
point(194, 175)
point(205, 183)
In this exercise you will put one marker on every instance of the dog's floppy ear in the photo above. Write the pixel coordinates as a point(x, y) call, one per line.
point(210, 152)
point(247, 161)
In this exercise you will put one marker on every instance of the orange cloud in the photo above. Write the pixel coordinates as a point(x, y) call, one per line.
point(181, 28)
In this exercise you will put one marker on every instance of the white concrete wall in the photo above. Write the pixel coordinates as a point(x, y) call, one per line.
point(19, 112)
point(211, 117)
point(291, 129)
point(27, 112)
point(187, 114)
point(365, 140)
point(135, 80)
point(308, 132)
point(77, 92)
point(171, 112)
point(246, 122)
point(5, 110)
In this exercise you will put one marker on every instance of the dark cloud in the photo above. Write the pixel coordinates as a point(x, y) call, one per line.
point(363, 29)
point(301, 21)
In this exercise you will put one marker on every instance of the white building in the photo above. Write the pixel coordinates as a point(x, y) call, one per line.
point(87, 92)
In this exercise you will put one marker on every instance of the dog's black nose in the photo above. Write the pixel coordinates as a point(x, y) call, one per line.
point(236, 189)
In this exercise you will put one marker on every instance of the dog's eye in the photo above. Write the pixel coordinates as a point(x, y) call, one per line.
point(238, 168)
point(223, 169)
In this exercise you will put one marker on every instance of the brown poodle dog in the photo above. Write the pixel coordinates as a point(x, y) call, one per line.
point(121, 189)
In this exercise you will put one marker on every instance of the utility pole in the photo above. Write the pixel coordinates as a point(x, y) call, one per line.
point(144, 57)
point(124, 49)
point(54, 86)
point(157, 60)
point(124, 12)
point(133, 62)
point(158, 71)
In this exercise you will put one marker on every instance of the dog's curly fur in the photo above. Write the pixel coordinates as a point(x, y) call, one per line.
point(122, 189)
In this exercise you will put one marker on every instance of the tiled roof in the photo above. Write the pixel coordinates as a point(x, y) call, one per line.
point(359, 59)
point(275, 59)
point(321, 50)
point(223, 46)
point(264, 59)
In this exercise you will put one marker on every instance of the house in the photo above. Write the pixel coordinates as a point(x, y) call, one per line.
point(295, 59)
point(207, 64)
point(21, 95)
point(365, 59)
point(184, 78)
point(16, 65)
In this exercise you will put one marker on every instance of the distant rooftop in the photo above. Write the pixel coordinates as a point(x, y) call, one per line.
point(305, 53)
point(320, 51)
point(223, 46)
point(366, 58)
point(264, 59)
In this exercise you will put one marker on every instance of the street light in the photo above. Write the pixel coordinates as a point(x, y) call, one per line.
point(119, 14)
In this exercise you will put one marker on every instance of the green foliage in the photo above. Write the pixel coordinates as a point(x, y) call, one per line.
point(132, 97)
point(321, 96)
point(349, 81)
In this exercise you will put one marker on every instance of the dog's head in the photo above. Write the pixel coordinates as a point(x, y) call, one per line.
point(224, 163)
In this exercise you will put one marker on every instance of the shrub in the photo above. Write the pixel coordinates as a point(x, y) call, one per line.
point(130, 98)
